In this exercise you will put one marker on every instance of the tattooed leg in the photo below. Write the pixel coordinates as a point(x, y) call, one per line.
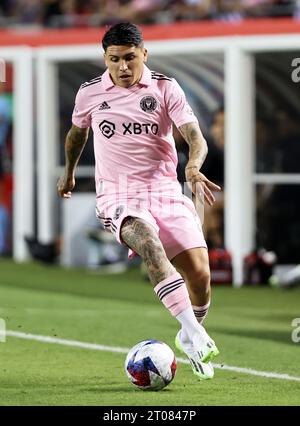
point(142, 238)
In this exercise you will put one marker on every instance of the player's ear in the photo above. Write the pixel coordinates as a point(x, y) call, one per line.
point(145, 53)
point(105, 60)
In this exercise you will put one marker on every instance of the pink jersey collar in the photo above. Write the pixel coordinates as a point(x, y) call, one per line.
point(107, 82)
point(146, 77)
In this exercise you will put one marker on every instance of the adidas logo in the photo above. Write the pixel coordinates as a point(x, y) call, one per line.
point(104, 105)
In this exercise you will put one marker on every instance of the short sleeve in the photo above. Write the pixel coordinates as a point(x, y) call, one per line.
point(81, 116)
point(178, 108)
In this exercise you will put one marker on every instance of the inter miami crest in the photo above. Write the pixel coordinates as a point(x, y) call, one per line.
point(148, 104)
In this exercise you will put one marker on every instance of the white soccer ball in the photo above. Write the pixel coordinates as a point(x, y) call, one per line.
point(150, 365)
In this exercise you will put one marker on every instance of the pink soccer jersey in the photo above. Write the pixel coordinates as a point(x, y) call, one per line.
point(133, 126)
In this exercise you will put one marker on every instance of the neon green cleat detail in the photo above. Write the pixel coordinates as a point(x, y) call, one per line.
point(203, 371)
point(207, 350)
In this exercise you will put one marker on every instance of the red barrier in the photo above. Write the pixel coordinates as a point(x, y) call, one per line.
point(183, 30)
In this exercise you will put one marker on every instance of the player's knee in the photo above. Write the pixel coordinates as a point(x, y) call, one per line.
point(199, 278)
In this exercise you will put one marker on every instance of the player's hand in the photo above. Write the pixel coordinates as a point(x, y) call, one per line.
point(65, 185)
point(199, 184)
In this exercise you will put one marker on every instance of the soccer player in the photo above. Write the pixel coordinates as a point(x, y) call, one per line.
point(138, 198)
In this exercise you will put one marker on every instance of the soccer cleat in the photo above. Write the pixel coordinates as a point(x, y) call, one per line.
point(203, 371)
point(205, 346)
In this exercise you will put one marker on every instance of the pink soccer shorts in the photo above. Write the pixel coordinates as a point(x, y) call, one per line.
point(174, 219)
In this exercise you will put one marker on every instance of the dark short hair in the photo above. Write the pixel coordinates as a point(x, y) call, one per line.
point(122, 34)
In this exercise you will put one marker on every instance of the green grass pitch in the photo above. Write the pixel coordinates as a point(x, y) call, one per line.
point(252, 327)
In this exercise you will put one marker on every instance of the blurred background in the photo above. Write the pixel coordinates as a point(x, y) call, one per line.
point(237, 63)
point(95, 13)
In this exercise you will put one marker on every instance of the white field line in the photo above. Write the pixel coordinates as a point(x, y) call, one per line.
point(96, 347)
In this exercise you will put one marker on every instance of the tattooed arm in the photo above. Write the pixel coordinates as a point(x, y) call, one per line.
point(198, 147)
point(75, 142)
point(197, 153)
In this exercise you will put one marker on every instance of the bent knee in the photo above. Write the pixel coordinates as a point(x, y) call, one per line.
point(199, 277)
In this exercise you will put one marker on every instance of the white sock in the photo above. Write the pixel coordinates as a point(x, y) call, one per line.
point(200, 313)
point(189, 324)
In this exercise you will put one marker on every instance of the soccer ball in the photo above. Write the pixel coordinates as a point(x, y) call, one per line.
point(150, 365)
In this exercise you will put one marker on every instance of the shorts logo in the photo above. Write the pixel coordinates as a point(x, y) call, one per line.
point(107, 128)
point(118, 212)
point(148, 104)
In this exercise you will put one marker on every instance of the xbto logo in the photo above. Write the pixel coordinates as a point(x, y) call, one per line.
point(138, 128)
point(107, 128)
